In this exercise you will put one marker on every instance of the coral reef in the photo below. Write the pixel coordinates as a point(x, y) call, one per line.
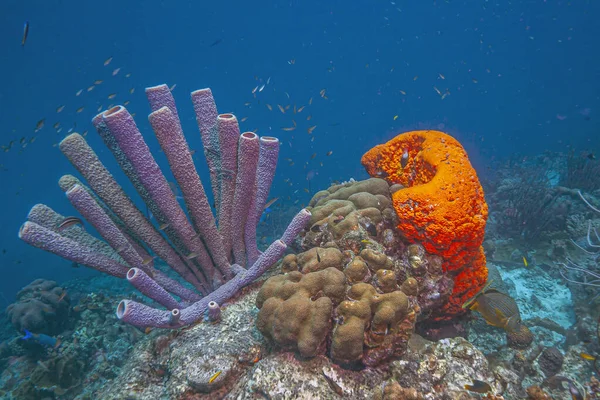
point(41, 307)
point(91, 351)
point(440, 205)
point(358, 288)
point(179, 365)
point(217, 262)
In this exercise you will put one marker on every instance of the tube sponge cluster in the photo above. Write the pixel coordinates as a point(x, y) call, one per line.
point(216, 262)
point(441, 205)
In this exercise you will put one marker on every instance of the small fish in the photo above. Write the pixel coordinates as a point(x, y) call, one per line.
point(99, 107)
point(322, 93)
point(255, 89)
point(289, 129)
point(216, 42)
point(588, 357)
point(318, 256)
point(337, 219)
point(191, 256)
point(25, 33)
point(404, 159)
point(116, 71)
point(474, 80)
point(261, 88)
point(309, 118)
point(416, 77)
point(333, 385)
point(270, 107)
point(330, 152)
point(310, 101)
point(402, 92)
point(300, 109)
point(215, 376)
point(271, 202)
point(437, 91)
point(74, 265)
point(574, 392)
point(163, 227)
point(311, 129)
point(243, 119)
point(292, 61)
point(147, 260)
point(62, 296)
point(60, 108)
point(98, 81)
point(69, 221)
point(173, 86)
point(525, 262)
point(281, 108)
point(22, 140)
point(84, 134)
point(441, 76)
point(79, 92)
point(90, 88)
point(128, 75)
point(107, 61)
point(42, 339)
point(80, 109)
point(40, 124)
point(395, 117)
point(126, 102)
point(313, 155)
point(478, 387)
point(131, 90)
point(112, 96)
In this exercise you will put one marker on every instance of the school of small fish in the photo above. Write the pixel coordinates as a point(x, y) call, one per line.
point(63, 109)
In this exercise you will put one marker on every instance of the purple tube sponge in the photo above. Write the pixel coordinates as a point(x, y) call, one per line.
point(267, 163)
point(244, 192)
point(150, 288)
point(209, 257)
point(214, 312)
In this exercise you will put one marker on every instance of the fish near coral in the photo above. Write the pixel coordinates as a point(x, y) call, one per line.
point(498, 309)
point(42, 339)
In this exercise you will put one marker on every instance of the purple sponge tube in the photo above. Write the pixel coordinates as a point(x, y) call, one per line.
point(46, 239)
point(243, 198)
point(150, 288)
point(138, 314)
point(267, 163)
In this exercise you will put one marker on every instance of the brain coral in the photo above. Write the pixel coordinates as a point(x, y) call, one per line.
point(441, 205)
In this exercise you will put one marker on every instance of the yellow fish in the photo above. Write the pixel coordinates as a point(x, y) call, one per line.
point(215, 376)
point(497, 308)
point(525, 262)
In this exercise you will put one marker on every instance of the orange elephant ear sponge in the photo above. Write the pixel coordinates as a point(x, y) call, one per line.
point(442, 205)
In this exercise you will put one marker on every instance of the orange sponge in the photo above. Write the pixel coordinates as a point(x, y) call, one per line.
point(442, 205)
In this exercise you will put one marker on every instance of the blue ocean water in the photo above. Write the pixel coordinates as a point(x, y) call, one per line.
point(520, 78)
point(508, 79)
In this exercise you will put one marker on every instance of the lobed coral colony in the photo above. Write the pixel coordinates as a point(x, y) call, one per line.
point(215, 262)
